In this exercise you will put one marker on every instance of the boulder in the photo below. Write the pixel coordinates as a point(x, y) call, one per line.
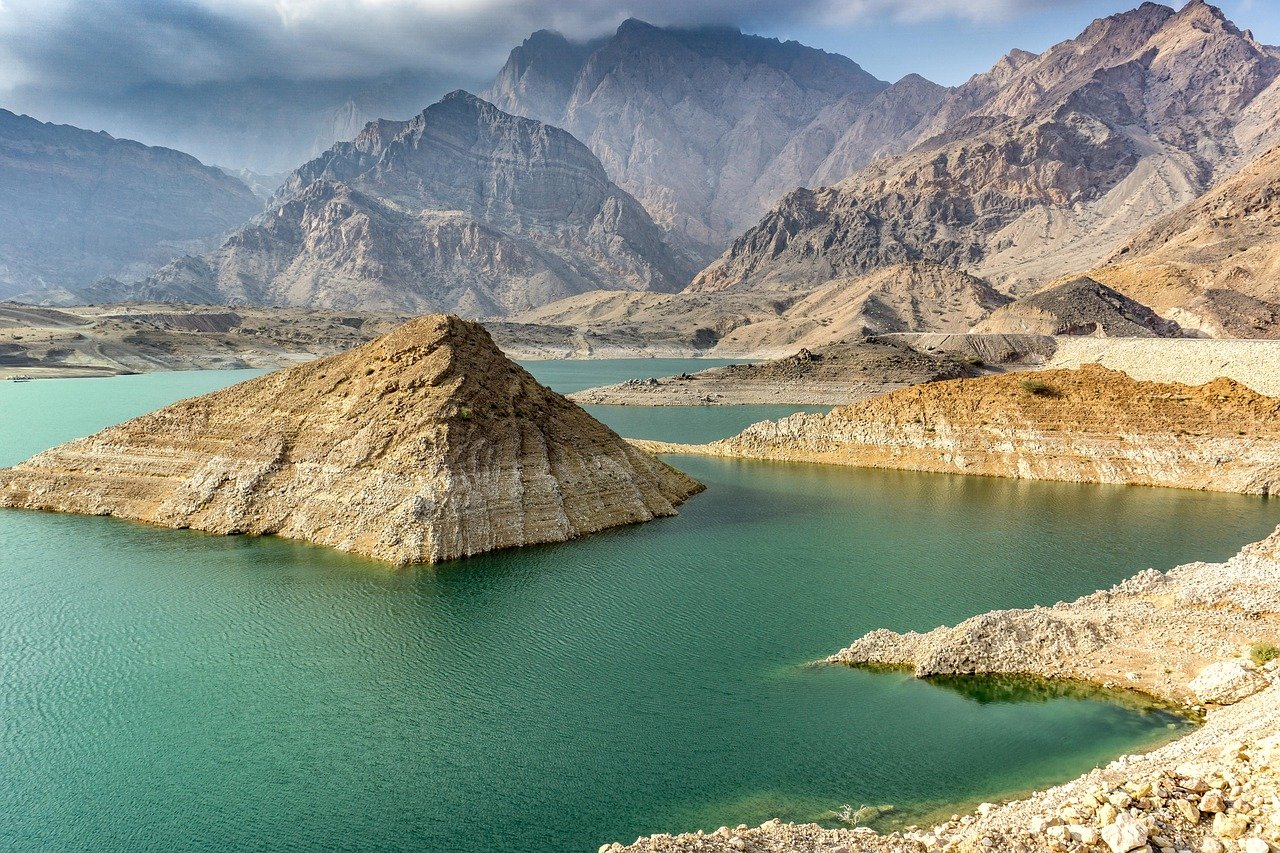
point(1227, 682)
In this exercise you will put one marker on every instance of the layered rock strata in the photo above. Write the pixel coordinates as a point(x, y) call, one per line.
point(463, 208)
point(424, 445)
point(1090, 425)
point(1040, 166)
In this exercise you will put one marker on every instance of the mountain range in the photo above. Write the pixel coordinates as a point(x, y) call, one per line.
point(1140, 153)
point(76, 206)
point(1040, 166)
point(463, 208)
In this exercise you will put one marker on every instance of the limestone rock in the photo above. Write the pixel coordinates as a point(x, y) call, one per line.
point(1230, 825)
point(1124, 835)
point(426, 444)
point(1225, 683)
point(1087, 425)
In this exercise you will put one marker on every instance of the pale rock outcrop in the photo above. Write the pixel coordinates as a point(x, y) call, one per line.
point(1090, 425)
point(1215, 789)
point(1227, 682)
point(424, 445)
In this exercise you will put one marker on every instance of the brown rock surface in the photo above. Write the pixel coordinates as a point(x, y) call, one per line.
point(1038, 168)
point(462, 208)
point(1214, 265)
point(1088, 425)
point(424, 445)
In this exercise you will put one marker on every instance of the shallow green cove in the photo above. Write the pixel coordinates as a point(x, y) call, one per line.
point(168, 690)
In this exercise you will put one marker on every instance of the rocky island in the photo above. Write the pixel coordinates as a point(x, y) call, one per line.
point(1091, 425)
point(424, 445)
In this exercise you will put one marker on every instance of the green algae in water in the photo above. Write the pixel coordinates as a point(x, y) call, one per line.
point(169, 690)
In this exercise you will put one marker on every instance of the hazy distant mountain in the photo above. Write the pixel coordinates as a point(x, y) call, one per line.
point(1040, 166)
point(77, 205)
point(268, 125)
point(464, 209)
point(695, 123)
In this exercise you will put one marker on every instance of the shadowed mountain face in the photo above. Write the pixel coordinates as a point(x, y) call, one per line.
point(464, 209)
point(1081, 306)
point(77, 205)
point(1041, 165)
point(698, 124)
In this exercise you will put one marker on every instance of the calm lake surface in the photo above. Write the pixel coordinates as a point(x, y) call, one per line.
point(169, 690)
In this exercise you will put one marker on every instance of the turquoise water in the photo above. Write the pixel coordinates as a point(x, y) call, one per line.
point(168, 690)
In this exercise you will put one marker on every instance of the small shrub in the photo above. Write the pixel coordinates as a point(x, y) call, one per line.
point(974, 360)
point(465, 413)
point(1263, 652)
point(1038, 388)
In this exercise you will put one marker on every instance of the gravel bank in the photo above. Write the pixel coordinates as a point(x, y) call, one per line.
point(1193, 361)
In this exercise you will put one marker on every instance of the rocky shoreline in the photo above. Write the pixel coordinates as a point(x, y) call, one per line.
point(1091, 425)
point(1203, 635)
point(831, 376)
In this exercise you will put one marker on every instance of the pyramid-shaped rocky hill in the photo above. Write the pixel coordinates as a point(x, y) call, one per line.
point(424, 445)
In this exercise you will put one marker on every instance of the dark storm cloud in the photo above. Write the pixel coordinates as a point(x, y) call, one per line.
point(104, 45)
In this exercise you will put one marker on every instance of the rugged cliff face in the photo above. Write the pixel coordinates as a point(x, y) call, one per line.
point(1040, 166)
point(1089, 425)
point(76, 205)
point(1214, 265)
point(695, 123)
point(424, 445)
point(463, 208)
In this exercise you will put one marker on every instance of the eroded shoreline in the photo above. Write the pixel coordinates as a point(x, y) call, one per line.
point(1195, 635)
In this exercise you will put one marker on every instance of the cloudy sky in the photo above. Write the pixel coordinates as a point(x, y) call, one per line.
point(241, 81)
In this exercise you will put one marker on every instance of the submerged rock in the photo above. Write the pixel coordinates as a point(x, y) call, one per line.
point(424, 445)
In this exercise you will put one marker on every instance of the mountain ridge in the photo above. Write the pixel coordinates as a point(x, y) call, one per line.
point(462, 208)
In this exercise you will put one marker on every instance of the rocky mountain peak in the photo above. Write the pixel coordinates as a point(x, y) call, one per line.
point(1025, 179)
point(78, 205)
point(464, 208)
point(688, 120)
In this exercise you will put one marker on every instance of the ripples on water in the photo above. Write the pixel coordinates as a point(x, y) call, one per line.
point(171, 690)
